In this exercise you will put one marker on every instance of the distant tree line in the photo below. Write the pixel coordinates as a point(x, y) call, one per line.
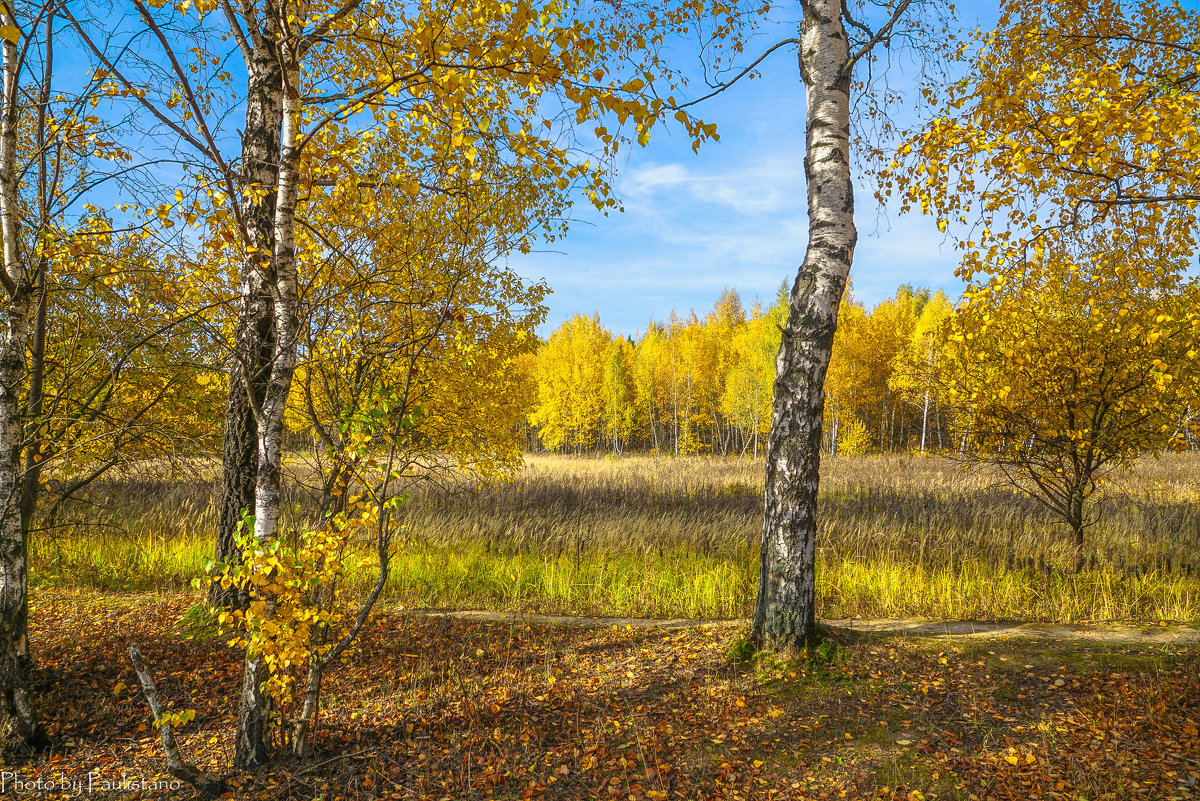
point(902, 379)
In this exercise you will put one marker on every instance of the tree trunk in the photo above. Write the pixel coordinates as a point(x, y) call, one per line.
point(928, 383)
point(239, 458)
point(784, 616)
point(1074, 510)
point(252, 743)
point(34, 445)
point(937, 422)
point(254, 334)
point(18, 729)
point(246, 424)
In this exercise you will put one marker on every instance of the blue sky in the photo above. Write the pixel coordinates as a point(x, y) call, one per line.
point(732, 215)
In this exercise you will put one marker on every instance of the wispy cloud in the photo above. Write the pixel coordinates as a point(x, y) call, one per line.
point(764, 186)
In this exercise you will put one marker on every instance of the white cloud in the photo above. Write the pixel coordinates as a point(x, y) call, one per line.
point(644, 180)
point(767, 186)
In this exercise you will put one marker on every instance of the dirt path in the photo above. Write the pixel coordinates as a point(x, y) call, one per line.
point(1114, 633)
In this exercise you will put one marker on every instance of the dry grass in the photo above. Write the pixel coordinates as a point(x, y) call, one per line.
point(900, 536)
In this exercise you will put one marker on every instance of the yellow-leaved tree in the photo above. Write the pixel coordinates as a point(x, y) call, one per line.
point(1070, 363)
point(1076, 122)
point(846, 379)
point(750, 375)
point(1069, 110)
point(570, 385)
point(323, 79)
point(410, 329)
point(620, 412)
point(917, 368)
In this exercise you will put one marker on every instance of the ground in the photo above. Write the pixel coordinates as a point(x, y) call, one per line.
point(442, 707)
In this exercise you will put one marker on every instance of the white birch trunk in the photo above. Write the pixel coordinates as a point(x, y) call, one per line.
point(784, 616)
point(18, 729)
point(254, 723)
point(247, 413)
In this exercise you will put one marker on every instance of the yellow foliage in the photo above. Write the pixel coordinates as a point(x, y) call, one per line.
point(1053, 127)
point(294, 594)
point(1071, 362)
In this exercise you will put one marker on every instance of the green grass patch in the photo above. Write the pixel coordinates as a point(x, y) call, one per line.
point(900, 537)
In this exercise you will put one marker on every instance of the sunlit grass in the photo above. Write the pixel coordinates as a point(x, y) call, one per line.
point(900, 536)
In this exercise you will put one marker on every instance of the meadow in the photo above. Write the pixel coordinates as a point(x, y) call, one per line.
point(901, 536)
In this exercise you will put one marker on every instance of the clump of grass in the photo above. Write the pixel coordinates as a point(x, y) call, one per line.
point(900, 536)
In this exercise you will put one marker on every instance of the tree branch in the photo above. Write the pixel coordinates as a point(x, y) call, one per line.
point(318, 32)
point(740, 75)
point(206, 785)
point(146, 104)
point(883, 33)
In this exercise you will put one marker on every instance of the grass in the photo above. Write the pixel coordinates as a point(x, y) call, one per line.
point(658, 537)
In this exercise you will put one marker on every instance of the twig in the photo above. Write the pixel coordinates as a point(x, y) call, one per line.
point(726, 84)
point(204, 784)
point(338, 758)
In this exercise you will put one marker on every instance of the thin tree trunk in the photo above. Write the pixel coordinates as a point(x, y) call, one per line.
point(18, 729)
point(653, 414)
point(34, 447)
point(1075, 519)
point(937, 423)
point(924, 420)
point(784, 615)
point(206, 785)
point(258, 334)
point(675, 403)
point(966, 430)
point(928, 382)
point(254, 333)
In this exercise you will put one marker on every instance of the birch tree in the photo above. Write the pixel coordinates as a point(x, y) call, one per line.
point(916, 369)
point(832, 43)
point(48, 146)
point(18, 727)
point(482, 71)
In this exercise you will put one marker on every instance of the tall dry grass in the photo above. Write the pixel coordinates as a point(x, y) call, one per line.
point(899, 536)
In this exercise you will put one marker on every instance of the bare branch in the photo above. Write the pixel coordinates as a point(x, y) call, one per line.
point(317, 33)
point(111, 68)
point(190, 95)
point(880, 35)
point(206, 785)
point(740, 75)
point(235, 28)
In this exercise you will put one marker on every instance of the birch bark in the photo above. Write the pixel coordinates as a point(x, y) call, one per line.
point(254, 334)
point(247, 420)
point(252, 747)
point(18, 729)
point(784, 615)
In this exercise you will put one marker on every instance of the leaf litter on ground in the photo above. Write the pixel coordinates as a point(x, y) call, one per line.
point(461, 709)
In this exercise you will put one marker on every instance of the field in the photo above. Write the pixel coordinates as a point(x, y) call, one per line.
point(442, 707)
point(901, 536)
